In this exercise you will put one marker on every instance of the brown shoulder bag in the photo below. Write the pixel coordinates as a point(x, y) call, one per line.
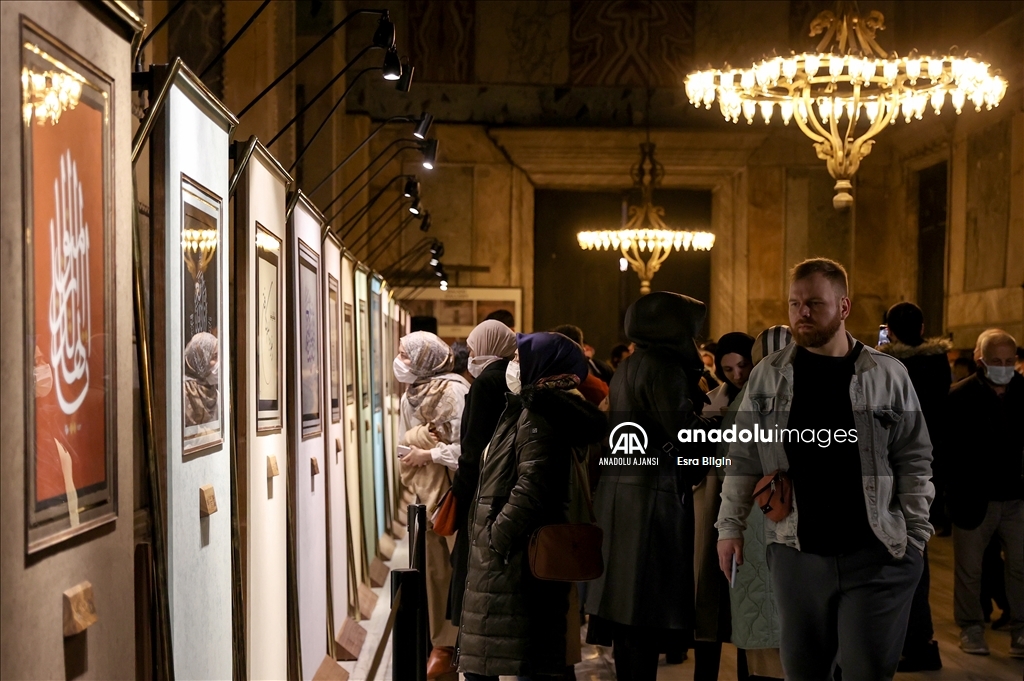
point(568, 552)
point(774, 496)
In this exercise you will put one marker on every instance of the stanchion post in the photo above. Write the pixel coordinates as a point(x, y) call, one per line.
point(405, 664)
point(420, 563)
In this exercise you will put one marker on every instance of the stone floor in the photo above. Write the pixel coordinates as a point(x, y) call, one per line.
point(597, 662)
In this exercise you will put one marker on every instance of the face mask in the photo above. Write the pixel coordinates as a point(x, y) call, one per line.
point(478, 364)
point(999, 375)
point(403, 372)
point(44, 379)
point(512, 377)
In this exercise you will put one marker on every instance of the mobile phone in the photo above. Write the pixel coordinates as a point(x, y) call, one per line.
point(732, 580)
point(883, 334)
point(401, 451)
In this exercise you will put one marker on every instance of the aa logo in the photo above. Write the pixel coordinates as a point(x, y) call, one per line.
point(628, 438)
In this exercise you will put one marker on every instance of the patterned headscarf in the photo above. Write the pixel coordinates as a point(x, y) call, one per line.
point(772, 339)
point(432, 361)
point(550, 360)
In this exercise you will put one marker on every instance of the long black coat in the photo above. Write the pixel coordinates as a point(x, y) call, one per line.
point(647, 519)
point(484, 404)
point(512, 623)
point(985, 445)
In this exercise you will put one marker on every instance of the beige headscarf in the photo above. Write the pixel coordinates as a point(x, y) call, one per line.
point(432, 361)
point(490, 341)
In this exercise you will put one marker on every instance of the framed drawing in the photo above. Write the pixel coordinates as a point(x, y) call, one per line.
point(334, 295)
point(309, 339)
point(202, 285)
point(376, 346)
point(268, 331)
point(70, 425)
point(350, 357)
point(364, 354)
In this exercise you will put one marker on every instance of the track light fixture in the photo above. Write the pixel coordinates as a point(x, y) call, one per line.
point(404, 83)
point(384, 36)
point(436, 251)
point(392, 65)
point(415, 208)
point(425, 222)
point(430, 154)
point(412, 189)
point(423, 125)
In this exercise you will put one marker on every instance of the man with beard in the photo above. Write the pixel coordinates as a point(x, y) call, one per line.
point(846, 558)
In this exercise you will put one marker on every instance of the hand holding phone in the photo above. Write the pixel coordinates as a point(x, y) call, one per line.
point(732, 580)
point(401, 450)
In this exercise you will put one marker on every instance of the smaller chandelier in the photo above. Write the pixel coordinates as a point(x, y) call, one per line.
point(645, 230)
point(846, 93)
point(48, 94)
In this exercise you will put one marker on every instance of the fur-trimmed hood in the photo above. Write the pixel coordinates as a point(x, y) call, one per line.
point(931, 346)
point(580, 422)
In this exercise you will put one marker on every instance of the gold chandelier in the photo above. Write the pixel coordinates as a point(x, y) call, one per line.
point(645, 230)
point(849, 91)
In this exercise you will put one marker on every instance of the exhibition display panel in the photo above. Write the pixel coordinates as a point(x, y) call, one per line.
point(192, 365)
point(310, 415)
point(260, 308)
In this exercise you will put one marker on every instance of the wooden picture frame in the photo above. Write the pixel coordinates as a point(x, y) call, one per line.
point(333, 344)
point(309, 340)
point(269, 332)
point(350, 355)
point(202, 385)
point(70, 283)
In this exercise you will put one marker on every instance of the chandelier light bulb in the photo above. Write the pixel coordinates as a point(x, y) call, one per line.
point(766, 111)
point(811, 64)
point(749, 106)
point(913, 70)
point(937, 99)
point(786, 109)
point(835, 67)
point(890, 69)
point(934, 69)
point(789, 68)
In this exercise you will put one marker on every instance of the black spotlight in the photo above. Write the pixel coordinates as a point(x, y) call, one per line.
point(425, 223)
point(423, 126)
point(392, 65)
point(384, 36)
point(412, 189)
point(404, 83)
point(415, 207)
point(430, 154)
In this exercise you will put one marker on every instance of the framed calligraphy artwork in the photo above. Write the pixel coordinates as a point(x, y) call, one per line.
point(364, 354)
point(202, 285)
point(71, 428)
point(268, 330)
point(309, 339)
point(350, 357)
point(332, 319)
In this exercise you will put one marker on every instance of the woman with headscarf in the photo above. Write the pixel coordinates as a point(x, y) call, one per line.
point(491, 346)
point(643, 603)
point(430, 420)
point(202, 379)
point(712, 622)
point(513, 623)
point(754, 618)
point(733, 365)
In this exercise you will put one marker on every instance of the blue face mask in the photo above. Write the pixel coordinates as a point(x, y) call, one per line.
point(998, 375)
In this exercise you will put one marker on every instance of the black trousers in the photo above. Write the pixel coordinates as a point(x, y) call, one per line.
point(851, 609)
point(636, 655)
point(919, 627)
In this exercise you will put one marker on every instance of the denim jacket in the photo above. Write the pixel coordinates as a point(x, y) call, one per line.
point(895, 451)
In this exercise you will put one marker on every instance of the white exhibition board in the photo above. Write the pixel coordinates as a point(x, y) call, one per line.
point(364, 399)
point(387, 343)
point(262, 258)
point(334, 452)
point(192, 142)
point(310, 417)
point(350, 417)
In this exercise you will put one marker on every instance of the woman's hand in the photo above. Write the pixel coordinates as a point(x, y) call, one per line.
point(417, 457)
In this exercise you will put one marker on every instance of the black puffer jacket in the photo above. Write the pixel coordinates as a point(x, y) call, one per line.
point(512, 623)
point(648, 518)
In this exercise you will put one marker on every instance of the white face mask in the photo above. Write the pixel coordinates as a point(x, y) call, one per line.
point(512, 377)
point(478, 364)
point(999, 375)
point(403, 372)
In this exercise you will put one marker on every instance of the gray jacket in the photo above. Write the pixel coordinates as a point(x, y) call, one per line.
point(895, 452)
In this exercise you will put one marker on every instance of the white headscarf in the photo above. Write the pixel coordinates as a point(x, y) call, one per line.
point(490, 341)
